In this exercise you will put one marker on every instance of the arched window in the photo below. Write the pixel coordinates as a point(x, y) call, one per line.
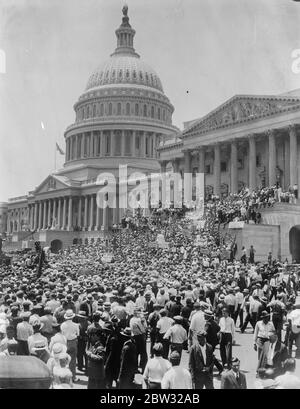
point(119, 108)
point(158, 113)
point(127, 108)
point(110, 108)
point(94, 110)
point(101, 110)
point(83, 113)
point(164, 115)
point(152, 112)
point(88, 112)
point(136, 110)
point(145, 110)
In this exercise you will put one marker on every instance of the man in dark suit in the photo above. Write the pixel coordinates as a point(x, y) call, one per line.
point(129, 362)
point(201, 362)
point(273, 354)
point(233, 379)
point(212, 329)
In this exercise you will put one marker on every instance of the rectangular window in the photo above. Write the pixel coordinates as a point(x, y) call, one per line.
point(258, 160)
point(223, 166)
point(208, 169)
point(240, 164)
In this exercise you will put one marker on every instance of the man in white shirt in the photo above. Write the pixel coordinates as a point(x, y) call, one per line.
point(163, 325)
point(197, 323)
point(227, 332)
point(177, 377)
point(156, 368)
point(177, 335)
point(262, 331)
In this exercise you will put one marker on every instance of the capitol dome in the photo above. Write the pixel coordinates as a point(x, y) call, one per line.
point(124, 69)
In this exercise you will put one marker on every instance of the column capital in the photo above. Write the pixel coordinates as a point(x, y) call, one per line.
point(292, 129)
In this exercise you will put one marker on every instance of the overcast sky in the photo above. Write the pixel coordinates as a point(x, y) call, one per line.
point(204, 51)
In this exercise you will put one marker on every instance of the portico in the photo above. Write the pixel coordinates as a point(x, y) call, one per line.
point(237, 147)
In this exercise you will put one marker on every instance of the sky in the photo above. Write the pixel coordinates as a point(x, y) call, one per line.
point(204, 52)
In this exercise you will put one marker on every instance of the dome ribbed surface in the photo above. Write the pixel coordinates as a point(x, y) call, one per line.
point(124, 69)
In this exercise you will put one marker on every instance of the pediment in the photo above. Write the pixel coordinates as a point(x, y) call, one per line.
point(52, 183)
point(241, 109)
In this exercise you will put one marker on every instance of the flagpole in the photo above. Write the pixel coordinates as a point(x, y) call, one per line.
point(55, 158)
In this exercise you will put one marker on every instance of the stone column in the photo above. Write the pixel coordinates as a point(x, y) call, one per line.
point(163, 165)
point(40, 216)
point(85, 221)
point(35, 224)
point(233, 168)
point(286, 163)
point(8, 223)
point(82, 145)
point(59, 214)
point(252, 163)
point(64, 214)
point(133, 143)
point(272, 158)
point(105, 218)
point(217, 170)
point(143, 145)
point(70, 214)
point(102, 151)
point(112, 143)
point(98, 210)
point(54, 221)
point(293, 155)
point(49, 213)
point(201, 158)
point(123, 143)
point(45, 215)
point(79, 211)
point(91, 213)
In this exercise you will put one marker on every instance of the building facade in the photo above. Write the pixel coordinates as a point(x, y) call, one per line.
point(120, 119)
point(249, 141)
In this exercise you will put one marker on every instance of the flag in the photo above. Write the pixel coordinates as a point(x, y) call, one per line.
point(58, 148)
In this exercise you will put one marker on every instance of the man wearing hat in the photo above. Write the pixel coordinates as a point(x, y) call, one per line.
point(177, 335)
point(24, 331)
point(152, 321)
point(71, 331)
point(262, 331)
point(129, 361)
point(84, 323)
point(273, 354)
point(96, 359)
point(138, 326)
point(201, 362)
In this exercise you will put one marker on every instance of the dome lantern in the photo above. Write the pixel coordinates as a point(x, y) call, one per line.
point(125, 34)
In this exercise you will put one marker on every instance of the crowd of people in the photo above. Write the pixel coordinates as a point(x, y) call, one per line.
point(130, 318)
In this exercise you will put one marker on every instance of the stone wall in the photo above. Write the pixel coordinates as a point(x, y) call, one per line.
point(264, 238)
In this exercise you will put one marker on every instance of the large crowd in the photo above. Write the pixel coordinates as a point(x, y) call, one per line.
point(124, 307)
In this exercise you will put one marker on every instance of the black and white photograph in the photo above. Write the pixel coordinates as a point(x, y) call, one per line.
point(149, 196)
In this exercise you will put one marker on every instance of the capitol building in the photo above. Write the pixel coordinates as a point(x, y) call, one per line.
point(121, 118)
point(124, 118)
